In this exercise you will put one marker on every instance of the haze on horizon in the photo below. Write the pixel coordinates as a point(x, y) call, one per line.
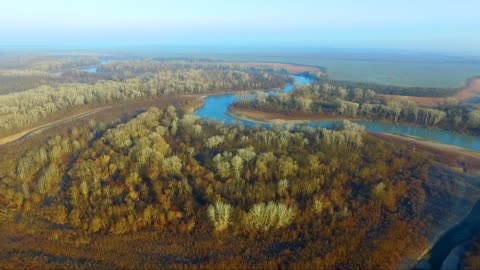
point(428, 25)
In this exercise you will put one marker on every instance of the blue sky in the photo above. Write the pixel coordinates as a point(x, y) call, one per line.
point(428, 25)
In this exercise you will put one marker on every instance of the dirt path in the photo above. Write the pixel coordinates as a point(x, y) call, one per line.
point(35, 130)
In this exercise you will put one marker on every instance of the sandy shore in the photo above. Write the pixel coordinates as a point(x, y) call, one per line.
point(296, 117)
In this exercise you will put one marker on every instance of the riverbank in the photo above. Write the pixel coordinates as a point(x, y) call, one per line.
point(447, 154)
point(261, 116)
point(460, 159)
point(465, 172)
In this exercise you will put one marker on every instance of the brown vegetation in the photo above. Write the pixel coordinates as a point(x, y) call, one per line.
point(456, 157)
point(153, 179)
point(127, 187)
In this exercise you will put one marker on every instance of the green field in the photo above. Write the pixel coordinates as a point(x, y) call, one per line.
point(408, 69)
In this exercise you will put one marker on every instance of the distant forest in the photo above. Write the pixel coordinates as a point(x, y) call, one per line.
point(399, 90)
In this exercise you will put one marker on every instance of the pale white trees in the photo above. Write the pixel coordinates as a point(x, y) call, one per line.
point(349, 133)
point(220, 214)
point(347, 108)
point(214, 141)
point(282, 187)
point(247, 153)
point(303, 103)
point(172, 165)
point(49, 178)
point(322, 204)
point(237, 165)
point(263, 217)
point(474, 119)
point(30, 106)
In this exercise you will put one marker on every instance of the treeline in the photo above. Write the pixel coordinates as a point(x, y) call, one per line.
point(336, 100)
point(64, 63)
point(336, 191)
point(45, 63)
point(28, 107)
point(34, 72)
point(398, 90)
point(11, 82)
point(20, 73)
point(120, 70)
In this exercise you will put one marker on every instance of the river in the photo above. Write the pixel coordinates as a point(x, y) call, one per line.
point(93, 69)
point(217, 106)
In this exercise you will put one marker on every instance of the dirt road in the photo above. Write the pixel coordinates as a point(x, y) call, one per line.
point(35, 130)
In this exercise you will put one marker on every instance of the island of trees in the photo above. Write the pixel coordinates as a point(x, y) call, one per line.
point(331, 100)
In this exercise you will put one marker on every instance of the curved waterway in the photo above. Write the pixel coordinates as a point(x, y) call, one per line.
point(216, 107)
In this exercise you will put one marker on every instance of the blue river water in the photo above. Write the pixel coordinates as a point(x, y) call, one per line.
point(93, 69)
point(216, 107)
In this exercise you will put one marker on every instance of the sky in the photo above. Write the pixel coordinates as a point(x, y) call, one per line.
point(426, 25)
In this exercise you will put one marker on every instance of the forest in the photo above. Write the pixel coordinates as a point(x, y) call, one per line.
point(22, 109)
point(163, 187)
point(23, 72)
point(331, 100)
point(304, 189)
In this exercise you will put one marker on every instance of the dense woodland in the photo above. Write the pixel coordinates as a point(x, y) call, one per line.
point(308, 188)
point(28, 107)
point(335, 100)
point(120, 70)
point(31, 72)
